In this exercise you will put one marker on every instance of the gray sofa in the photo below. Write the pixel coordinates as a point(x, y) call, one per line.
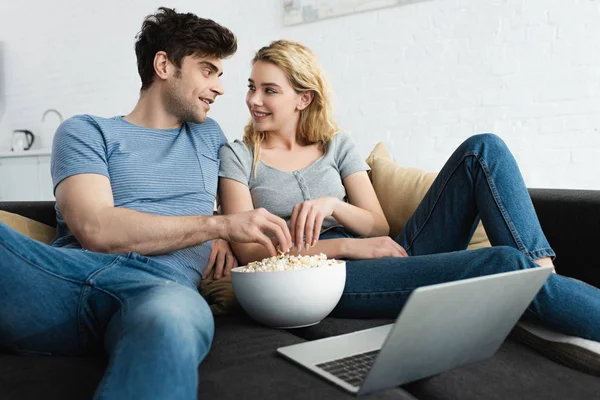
point(243, 364)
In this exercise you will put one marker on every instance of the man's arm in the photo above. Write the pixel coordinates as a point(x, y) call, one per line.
point(236, 199)
point(87, 205)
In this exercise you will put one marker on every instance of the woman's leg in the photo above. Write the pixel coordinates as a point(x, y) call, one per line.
point(379, 288)
point(480, 180)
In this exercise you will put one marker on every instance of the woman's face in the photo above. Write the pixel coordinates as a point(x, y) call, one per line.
point(274, 105)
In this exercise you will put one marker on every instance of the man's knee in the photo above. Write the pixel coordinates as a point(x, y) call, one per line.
point(6, 232)
point(174, 312)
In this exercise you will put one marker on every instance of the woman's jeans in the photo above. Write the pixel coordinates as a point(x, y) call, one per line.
point(151, 320)
point(481, 180)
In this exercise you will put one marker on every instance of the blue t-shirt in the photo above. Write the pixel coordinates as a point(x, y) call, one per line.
point(162, 172)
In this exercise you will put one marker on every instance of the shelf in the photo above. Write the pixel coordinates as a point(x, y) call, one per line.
point(25, 153)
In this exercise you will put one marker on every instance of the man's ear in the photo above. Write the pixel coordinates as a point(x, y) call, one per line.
point(305, 99)
point(161, 65)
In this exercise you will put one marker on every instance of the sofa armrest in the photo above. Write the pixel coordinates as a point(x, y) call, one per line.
point(42, 211)
point(571, 221)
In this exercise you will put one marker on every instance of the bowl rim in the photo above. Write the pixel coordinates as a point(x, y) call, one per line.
point(236, 270)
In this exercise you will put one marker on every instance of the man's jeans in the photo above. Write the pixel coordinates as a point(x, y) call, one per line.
point(481, 180)
point(152, 321)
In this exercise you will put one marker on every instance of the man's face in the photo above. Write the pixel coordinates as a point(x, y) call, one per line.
point(192, 88)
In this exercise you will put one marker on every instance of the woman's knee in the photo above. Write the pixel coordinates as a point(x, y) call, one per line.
point(489, 141)
point(508, 258)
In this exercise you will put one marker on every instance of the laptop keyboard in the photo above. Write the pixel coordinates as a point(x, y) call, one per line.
point(351, 369)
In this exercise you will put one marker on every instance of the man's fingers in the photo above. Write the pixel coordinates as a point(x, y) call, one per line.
point(279, 228)
point(211, 262)
point(266, 242)
point(230, 263)
point(219, 264)
point(399, 249)
point(402, 251)
point(207, 271)
point(275, 229)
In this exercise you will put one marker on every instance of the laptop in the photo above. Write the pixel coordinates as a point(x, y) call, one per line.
point(440, 327)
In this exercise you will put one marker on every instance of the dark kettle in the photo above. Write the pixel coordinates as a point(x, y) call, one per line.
point(22, 139)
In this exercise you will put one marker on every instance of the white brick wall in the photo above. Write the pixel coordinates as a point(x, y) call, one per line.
point(421, 78)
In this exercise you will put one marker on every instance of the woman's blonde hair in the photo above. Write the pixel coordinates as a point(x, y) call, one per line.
point(304, 73)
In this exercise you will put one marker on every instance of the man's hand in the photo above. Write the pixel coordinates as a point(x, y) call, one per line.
point(253, 227)
point(307, 219)
point(221, 258)
point(375, 247)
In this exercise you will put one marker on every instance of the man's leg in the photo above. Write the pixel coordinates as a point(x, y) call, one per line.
point(42, 294)
point(155, 344)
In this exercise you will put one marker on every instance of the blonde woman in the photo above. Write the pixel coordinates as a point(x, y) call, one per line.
point(295, 163)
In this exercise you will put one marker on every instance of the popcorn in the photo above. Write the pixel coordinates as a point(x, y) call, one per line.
point(288, 262)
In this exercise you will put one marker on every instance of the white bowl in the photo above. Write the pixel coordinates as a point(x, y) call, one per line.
point(290, 299)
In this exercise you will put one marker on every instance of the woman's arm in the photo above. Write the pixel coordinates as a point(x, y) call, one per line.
point(362, 214)
point(235, 198)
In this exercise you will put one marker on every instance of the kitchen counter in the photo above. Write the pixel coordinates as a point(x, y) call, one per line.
point(4, 153)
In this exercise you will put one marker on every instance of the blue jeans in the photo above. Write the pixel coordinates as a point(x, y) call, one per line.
point(481, 180)
point(152, 322)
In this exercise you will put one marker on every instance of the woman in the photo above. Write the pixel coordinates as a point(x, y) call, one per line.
point(294, 163)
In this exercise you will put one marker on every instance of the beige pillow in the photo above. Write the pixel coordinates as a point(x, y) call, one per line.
point(379, 151)
point(219, 295)
point(401, 189)
point(28, 227)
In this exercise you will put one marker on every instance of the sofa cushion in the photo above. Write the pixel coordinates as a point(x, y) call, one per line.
point(243, 363)
point(28, 227)
point(64, 378)
point(514, 372)
point(219, 295)
point(571, 222)
point(331, 326)
point(575, 352)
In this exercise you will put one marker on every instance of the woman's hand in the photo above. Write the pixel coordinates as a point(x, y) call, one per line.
point(307, 219)
point(375, 247)
point(221, 258)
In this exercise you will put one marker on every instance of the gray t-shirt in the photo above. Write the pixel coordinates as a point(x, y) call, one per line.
point(278, 191)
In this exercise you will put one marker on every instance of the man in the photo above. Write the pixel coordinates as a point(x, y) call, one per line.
point(135, 198)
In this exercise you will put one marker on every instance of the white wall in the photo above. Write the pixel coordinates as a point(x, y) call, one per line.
point(420, 78)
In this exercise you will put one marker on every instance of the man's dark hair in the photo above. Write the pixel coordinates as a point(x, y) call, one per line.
point(179, 35)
